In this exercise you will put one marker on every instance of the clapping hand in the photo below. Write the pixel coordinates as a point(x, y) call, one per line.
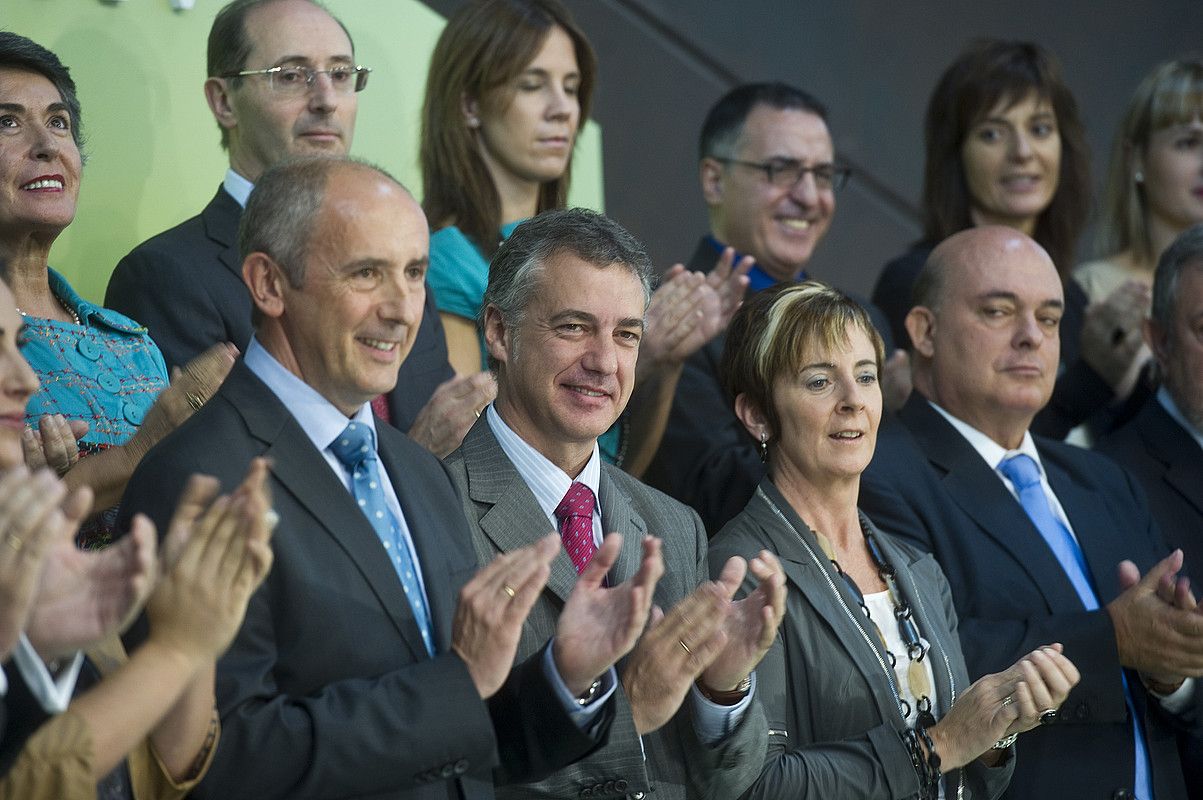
point(54, 443)
point(751, 623)
point(600, 624)
point(1176, 624)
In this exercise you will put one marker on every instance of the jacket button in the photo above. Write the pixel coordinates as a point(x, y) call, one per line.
point(1123, 794)
point(620, 785)
point(586, 793)
point(461, 766)
point(447, 771)
point(638, 795)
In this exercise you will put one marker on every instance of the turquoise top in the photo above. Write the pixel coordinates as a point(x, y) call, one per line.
point(458, 275)
point(106, 370)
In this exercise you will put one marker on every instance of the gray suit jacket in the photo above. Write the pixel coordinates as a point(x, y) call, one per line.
point(327, 691)
point(832, 711)
point(504, 515)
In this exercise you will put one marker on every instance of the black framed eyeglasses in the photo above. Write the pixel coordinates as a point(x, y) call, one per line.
point(297, 80)
point(784, 173)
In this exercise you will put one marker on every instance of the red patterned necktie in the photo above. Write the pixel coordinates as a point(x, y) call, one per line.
point(575, 517)
point(380, 408)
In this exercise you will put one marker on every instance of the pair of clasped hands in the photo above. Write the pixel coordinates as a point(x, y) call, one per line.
point(707, 636)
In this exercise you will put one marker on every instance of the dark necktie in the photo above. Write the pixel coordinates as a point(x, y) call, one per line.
point(355, 447)
point(574, 515)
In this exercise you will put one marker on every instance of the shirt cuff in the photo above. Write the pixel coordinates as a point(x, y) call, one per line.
point(54, 694)
point(1178, 700)
point(713, 722)
point(582, 715)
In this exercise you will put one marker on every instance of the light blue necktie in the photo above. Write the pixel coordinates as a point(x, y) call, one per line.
point(355, 447)
point(1023, 471)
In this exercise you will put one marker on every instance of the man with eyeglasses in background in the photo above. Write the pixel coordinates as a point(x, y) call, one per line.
point(283, 82)
point(769, 177)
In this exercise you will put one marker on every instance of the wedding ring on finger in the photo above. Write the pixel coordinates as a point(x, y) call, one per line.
point(1048, 716)
point(685, 647)
point(509, 590)
point(1008, 700)
point(194, 400)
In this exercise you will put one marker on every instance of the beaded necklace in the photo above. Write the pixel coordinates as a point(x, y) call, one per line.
point(917, 678)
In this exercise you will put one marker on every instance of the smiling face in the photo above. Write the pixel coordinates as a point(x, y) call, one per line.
point(267, 127)
point(829, 410)
point(17, 382)
point(1173, 175)
point(991, 346)
point(780, 227)
point(527, 129)
point(1012, 162)
point(354, 319)
point(39, 161)
point(568, 368)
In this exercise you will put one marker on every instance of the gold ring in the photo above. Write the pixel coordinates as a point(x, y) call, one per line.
point(476, 412)
point(508, 590)
point(194, 400)
point(685, 647)
point(1008, 700)
point(15, 543)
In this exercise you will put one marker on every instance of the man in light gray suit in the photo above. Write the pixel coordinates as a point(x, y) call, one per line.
point(562, 318)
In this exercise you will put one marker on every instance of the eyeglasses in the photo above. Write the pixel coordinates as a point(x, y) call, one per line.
point(296, 80)
point(784, 173)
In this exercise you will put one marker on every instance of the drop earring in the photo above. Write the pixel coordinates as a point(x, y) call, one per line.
point(764, 447)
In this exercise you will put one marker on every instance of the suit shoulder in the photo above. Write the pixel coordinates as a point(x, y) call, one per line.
point(171, 242)
point(1088, 466)
point(649, 500)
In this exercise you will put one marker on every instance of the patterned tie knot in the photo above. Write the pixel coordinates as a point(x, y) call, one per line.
point(354, 445)
point(577, 502)
point(1021, 470)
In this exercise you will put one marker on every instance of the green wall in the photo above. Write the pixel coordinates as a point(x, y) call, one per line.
point(152, 146)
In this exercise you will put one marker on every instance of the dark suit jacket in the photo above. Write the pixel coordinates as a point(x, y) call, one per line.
point(503, 515)
point(927, 484)
point(1169, 465)
point(185, 285)
point(327, 691)
point(706, 458)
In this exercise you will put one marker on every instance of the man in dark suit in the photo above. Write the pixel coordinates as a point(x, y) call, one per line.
point(1163, 444)
point(357, 673)
point(185, 284)
point(769, 178)
point(1030, 531)
point(563, 318)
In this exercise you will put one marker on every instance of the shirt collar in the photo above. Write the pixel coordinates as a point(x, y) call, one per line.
point(237, 186)
point(317, 416)
point(991, 451)
point(547, 482)
point(757, 278)
point(1171, 408)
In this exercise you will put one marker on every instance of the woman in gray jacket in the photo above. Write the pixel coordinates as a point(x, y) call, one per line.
point(865, 688)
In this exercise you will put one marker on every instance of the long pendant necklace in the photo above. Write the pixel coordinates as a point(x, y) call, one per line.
point(917, 678)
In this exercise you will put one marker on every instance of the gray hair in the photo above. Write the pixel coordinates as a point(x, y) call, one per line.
point(592, 237)
point(283, 207)
point(1186, 252)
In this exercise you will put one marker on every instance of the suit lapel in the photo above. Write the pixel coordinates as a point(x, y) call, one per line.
point(979, 492)
point(806, 568)
point(1176, 449)
point(221, 218)
point(302, 471)
point(513, 518)
point(618, 516)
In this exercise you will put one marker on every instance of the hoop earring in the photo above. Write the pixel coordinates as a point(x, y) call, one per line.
point(764, 447)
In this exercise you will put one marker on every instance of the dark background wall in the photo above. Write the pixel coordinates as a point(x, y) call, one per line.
point(664, 62)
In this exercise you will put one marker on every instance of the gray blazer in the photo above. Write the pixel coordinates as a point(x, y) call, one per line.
point(503, 515)
point(833, 715)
